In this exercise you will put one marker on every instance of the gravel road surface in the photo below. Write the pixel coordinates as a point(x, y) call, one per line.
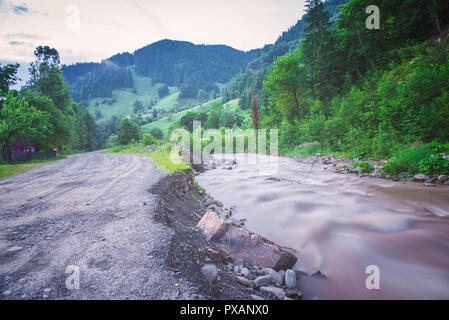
point(90, 211)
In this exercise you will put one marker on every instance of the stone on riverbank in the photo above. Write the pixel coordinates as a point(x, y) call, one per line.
point(262, 281)
point(277, 292)
point(245, 245)
point(420, 178)
point(210, 272)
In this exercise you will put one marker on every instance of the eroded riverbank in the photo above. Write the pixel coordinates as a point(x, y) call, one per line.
point(340, 224)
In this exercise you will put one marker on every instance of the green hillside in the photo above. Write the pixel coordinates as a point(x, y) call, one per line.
point(165, 122)
point(122, 101)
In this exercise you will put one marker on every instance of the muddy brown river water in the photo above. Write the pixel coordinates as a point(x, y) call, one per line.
point(340, 224)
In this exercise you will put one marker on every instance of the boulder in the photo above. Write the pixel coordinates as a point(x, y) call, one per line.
point(420, 178)
point(256, 250)
point(245, 245)
point(212, 226)
point(442, 179)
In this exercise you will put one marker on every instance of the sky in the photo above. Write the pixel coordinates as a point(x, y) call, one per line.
point(92, 30)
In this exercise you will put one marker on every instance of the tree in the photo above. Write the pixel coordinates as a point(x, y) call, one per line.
point(8, 76)
point(157, 133)
point(19, 121)
point(85, 128)
point(163, 91)
point(287, 83)
point(63, 127)
point(213, 118)
point(138, 106)
point(128, 131)
point(255, 116)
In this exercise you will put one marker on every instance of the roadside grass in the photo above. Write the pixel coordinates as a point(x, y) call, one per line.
point(160, 157)
point(10, 169)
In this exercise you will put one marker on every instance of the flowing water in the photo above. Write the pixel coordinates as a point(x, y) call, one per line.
point(341, 223)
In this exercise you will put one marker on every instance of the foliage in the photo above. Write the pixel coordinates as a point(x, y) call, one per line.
point(364, 166)
point(8, 76)
point(157, 133)
point(163, 91)
point(255, 112)
point(406, 160)
point(128, 131)
point(148, 140)
point(19, 121)
point(434, 164)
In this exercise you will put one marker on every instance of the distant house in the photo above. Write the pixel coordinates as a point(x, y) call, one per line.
point(24, 151)
point(20, 147)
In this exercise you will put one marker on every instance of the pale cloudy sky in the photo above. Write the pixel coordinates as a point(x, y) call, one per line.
point(106, 27)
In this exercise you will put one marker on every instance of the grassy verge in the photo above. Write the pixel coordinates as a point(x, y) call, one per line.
point(160, 157)
point(10, 169)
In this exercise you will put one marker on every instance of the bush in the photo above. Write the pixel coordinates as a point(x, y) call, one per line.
point(148, 140)
point(157, 133)
point(434, 165)
point(406, 161)
point(364, 166)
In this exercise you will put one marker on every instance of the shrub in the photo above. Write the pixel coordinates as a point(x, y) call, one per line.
point(148, 140)
point(406, 160)
point(157, 133)
point(364, 166)
point(434, 165)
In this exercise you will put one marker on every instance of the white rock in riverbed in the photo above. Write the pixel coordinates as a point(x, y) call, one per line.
point(290, 278)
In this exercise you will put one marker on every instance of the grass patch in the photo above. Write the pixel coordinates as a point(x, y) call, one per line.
point(10, 169)
point(160, 157)
point(406, 161)
point(165, 123)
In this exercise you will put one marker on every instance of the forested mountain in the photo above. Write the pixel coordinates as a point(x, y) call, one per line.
point(91, 80)
point(188, 66)
point(179, 64)
point(251, 78)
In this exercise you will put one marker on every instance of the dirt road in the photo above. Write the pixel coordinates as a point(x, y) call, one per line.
point(90, 211)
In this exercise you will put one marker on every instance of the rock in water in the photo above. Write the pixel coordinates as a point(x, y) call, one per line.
point(210, 272)
point(277, 292)
point(290, 278)
point(442, 179)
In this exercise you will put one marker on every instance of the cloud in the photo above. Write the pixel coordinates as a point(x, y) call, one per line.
point(24, 36)
point(20, 43)
point(20, 9)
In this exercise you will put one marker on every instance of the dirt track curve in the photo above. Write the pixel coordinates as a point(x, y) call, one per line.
point(92, 211)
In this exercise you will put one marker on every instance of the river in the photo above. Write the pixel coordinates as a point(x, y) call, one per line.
point(341, 223)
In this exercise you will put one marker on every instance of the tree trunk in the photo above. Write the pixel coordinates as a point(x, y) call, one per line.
point(296, 104)
point(6, 152)
point(437, 19)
